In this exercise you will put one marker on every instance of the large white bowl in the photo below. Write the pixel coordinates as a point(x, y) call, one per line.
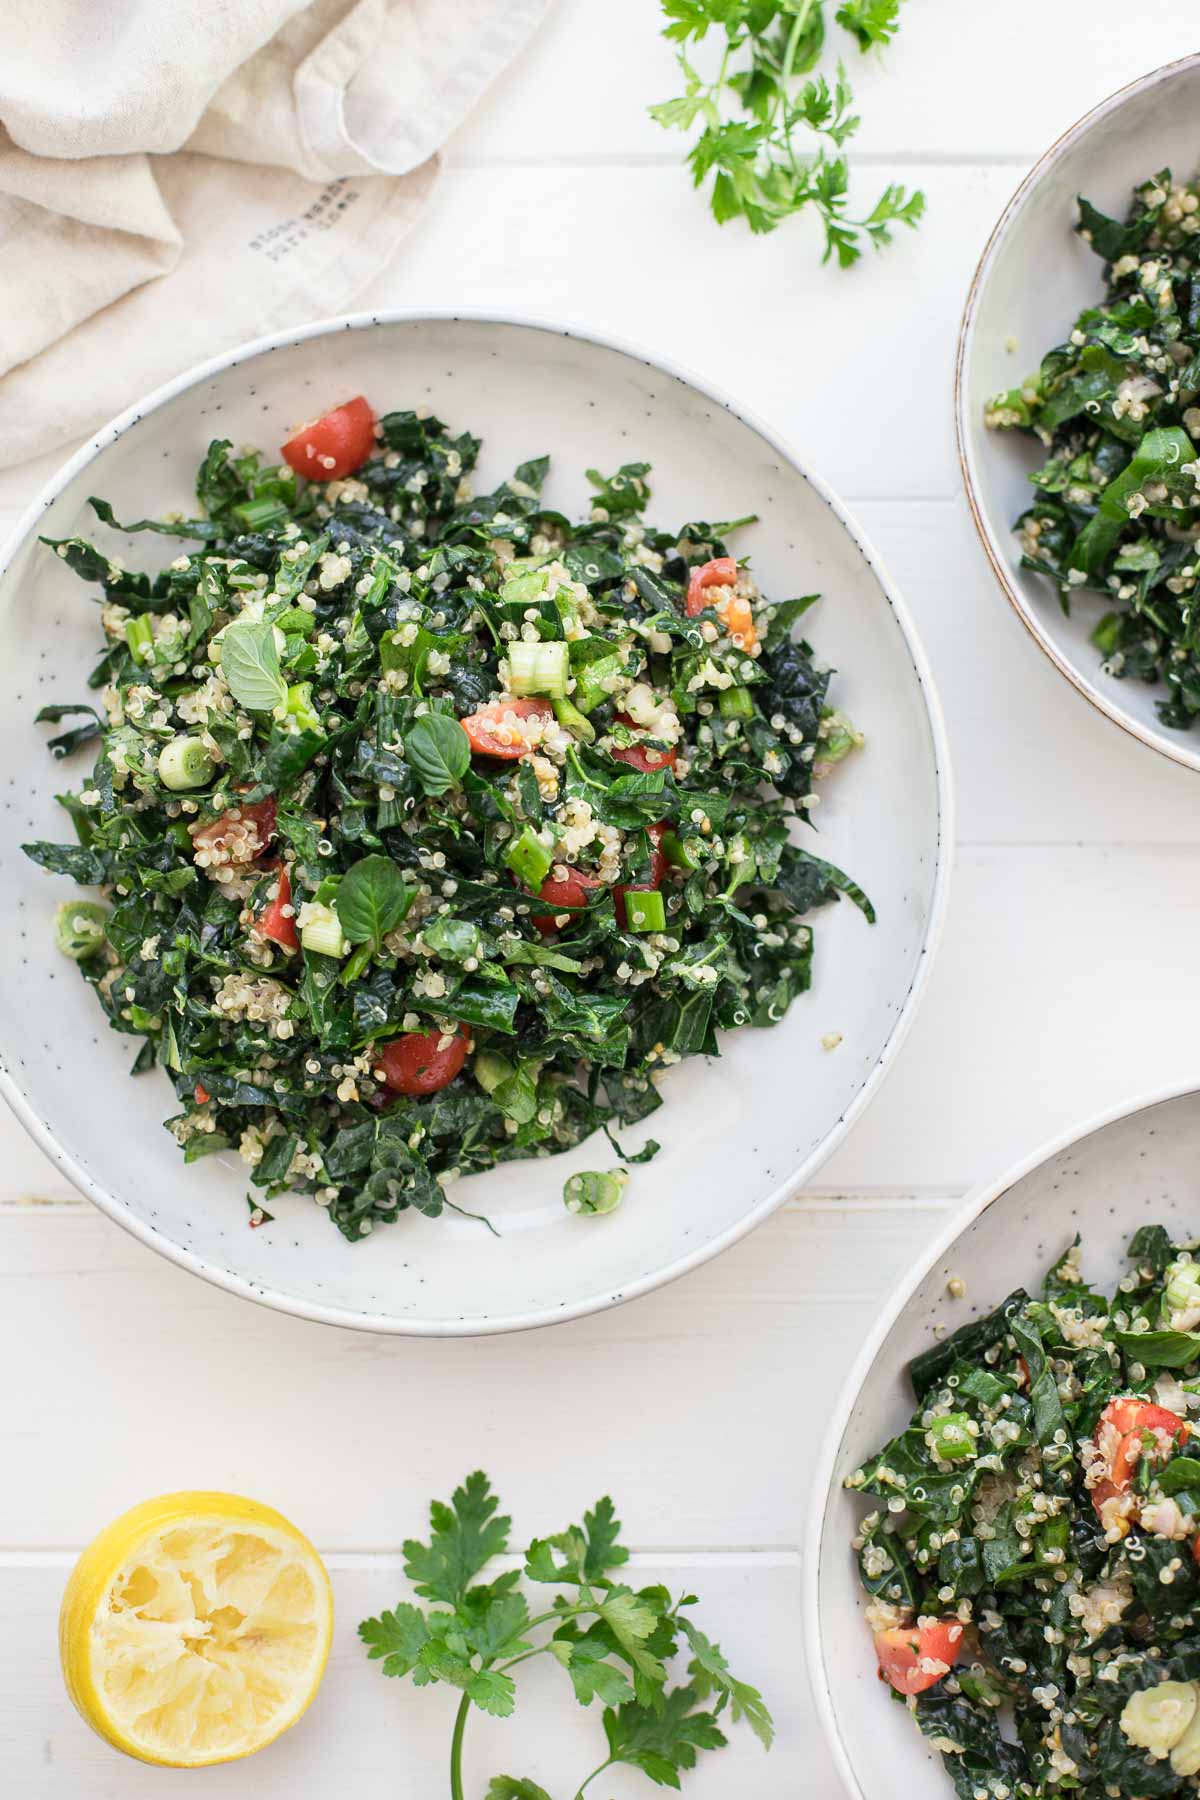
point(1034, 278)
point(1131, 1167)
point(739, 1135)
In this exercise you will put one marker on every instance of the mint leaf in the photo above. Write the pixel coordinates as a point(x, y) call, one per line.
point(465, 1536)
point(438, 752)
point(710, 1675)
point(372, 898)
point(250, 665)
point(398, 1637)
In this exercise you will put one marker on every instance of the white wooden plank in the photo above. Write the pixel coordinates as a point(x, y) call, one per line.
point(137, 1379)
point(1069, 974)
point(958, 81)
point(855, 368)
point(1034, 762)
point(375, 1739)
point(1068, 983)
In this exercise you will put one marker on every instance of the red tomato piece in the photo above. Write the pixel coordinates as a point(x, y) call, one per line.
point(569, 891)
point(658, 869)
point(493, 730)
point(421, 1062)
point(902, 1650)
point(721, 572)
point(1120, 1441)
point(276, 923)
point(227, 834)
point(202, 1094)
point(644, 757)
point(335, 444)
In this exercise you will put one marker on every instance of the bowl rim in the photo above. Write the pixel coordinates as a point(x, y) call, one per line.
point(972, 1207)
point(490, 1325)
point(1099, 697)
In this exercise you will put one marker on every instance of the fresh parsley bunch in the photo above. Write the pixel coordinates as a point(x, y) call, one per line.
point(614, 1642)
point(757, 115)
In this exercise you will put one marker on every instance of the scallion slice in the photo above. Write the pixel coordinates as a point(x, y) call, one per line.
point(538, 669)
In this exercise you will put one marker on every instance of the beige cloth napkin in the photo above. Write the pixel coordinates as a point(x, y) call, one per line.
point(179, 175)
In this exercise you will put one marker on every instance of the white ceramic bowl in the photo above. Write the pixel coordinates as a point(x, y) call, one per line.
point(1130, 1167)
point(739, 1135)
point(1033, 279)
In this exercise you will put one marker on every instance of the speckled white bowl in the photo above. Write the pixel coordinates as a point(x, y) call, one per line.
point(740, 1134)
point(1130, 1167)
point(1033, 279)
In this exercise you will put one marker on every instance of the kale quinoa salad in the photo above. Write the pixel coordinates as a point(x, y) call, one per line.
point(1117, 411)
point(1032, 1559)
point(430, 825)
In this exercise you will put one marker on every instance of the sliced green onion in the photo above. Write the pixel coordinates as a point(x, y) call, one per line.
point(594, 1191)
point(538, 669)
point(79, 928)
point(577, 723)
point(529, 859)
point(682, 853)
point(256, 515)
point(644, 910)
point(590, 679)
point(952, 1438)
point(490, 1069)
point(139, 635)
point(1182, 1291)
point(735, 703)
point(522, 590)
point(321, 930)
point(298, 711)
point(184, 763)
point(357, 964)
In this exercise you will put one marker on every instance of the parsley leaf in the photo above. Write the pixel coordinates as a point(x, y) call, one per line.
point(769, 146)
point(464, 1536)
point(615, 1645)
point(662, 1744)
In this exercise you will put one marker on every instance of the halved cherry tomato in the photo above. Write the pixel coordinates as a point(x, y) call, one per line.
point(202, 1094)
point(733, 611)
point(275, 923)
point(335, 444)
point(218, 834)
point(902, 1650)
point(570, 890)
point(658, 869)
point(645, 757)
point(721, 572)
point(491, 736)
point(1119, 1439)
point(421, 1062)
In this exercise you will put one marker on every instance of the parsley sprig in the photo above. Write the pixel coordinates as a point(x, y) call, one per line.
point(772, 142)
point(614, 1642)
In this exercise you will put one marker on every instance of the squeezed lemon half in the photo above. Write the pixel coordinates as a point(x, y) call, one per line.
point(195, 1629)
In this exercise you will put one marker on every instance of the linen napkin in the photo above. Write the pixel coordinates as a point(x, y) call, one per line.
point(179, 175)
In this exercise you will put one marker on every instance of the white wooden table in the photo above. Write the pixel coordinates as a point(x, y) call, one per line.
point(1069, 978)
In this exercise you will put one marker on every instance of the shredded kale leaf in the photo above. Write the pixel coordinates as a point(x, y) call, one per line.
point(1115, 408)
point(432, 825)
point(1031, 1568)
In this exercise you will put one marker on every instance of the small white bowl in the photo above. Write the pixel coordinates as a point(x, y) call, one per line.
point(740, 1134)
point(1034, 278)
point(1130, 1167)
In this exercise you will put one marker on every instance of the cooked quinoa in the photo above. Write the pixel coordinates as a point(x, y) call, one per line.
point(1031, 1564)
point(1117, 410)
point(429, 827)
